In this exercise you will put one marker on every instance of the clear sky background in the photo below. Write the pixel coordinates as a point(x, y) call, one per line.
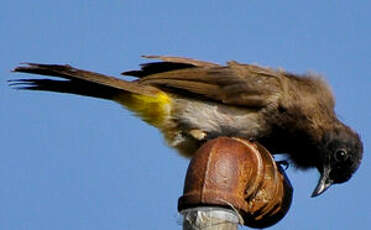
point(70, 162)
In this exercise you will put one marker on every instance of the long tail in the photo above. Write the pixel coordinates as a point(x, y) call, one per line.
point(148, 102)
point(77, 81)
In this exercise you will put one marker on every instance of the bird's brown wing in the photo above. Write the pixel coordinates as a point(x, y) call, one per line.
point(235, 84)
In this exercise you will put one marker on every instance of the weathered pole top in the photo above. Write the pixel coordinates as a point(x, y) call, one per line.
point(240, 175)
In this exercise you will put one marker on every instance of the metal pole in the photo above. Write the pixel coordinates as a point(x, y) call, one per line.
point(209, 218)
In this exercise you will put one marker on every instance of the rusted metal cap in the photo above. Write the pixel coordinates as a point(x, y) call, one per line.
point(236, 173)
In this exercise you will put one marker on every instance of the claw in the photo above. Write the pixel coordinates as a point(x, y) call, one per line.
point(198, 134)
point(252, 139)
point(283, 163)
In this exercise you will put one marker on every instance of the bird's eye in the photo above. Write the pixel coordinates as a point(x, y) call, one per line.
point(341, 155)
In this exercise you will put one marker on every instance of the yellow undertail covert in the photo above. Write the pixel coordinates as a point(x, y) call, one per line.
point(152, 109)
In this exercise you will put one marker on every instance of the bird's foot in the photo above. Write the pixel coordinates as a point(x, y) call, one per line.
point(198, 134)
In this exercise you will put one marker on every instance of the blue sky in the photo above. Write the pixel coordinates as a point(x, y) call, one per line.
point(70, 162)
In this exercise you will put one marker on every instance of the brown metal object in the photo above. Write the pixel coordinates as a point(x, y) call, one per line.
point(236, 173)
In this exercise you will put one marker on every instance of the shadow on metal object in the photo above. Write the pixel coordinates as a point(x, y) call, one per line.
point(236, 174)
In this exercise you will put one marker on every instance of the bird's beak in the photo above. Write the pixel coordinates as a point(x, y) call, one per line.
point(324, 182)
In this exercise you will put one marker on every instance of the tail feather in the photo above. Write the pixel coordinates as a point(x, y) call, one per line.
point(70, 86)
point(78, 81)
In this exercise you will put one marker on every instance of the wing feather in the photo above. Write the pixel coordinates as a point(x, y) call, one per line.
point(236, 84)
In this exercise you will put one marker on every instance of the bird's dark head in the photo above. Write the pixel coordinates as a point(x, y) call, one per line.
point(341, 155)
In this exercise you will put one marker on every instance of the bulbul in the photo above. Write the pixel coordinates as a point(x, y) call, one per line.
point(192, 101)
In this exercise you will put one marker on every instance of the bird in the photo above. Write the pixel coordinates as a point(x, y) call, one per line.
point(192, 101)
